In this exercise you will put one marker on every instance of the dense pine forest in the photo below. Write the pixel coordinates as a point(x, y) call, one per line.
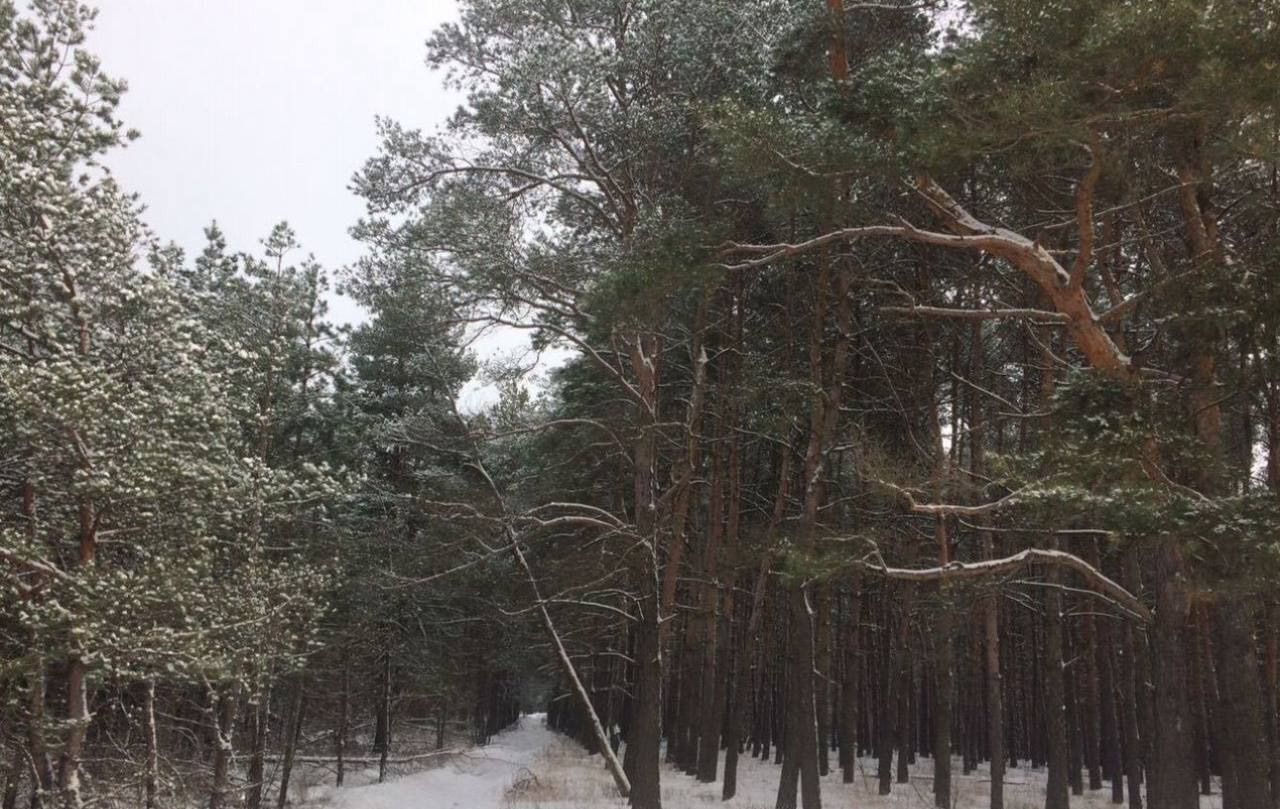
point(920, 416)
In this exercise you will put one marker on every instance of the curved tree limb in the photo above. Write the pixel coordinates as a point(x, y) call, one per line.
point(1096, 582)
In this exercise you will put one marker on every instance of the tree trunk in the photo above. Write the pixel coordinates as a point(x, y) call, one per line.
point(750, 642)
point(1243, 740)
point(905, 735)
point(260, 723)
point(43, 777)
point(1272, 624)
point(1173, 771)
point(1131, 690)
point(1090, 707)
point(710, 712)
point(887, 737)
point(297, 714)
point(344, 712)
point(1111, 746)
point(1056, 789)
point(941, 708)
point(78, 717)
point(223, 708)
point(822, 677)
point(800, 748)
point(1075, 731)
point(9, 800)
point(735, 684)
point(151, 770)
point(849, 685)
point(646, 725)
point(995, 696)
point(1204, 709)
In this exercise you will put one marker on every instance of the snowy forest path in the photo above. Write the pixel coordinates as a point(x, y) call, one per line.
point(477, 779)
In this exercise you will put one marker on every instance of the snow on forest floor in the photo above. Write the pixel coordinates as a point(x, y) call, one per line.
point(531, 767)
point(476, 779)
point(570, 779)
point(567, 778)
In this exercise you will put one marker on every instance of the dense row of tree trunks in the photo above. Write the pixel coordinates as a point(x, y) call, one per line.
point(885, 701)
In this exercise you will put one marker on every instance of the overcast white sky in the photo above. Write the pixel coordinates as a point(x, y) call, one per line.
point(253, 111)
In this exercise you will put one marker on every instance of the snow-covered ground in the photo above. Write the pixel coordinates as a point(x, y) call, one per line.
point(569, 779)
point(529, 767)
point(477, 779)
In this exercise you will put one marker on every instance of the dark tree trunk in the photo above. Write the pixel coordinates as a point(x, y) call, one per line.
point(441, 716)
point(888, 720)
point(151, 769)
point(344, 712)
point(1113, 767)
point(293, 733)
point(710, 712)
point(739, 694)
point(1075, 734)
point(1131, 689)
point(261, 721)
point(942, 709)
point(849, 685)
point(41, 762)
point(1204, 708)
point(822, 677)
point(9, 800)
point(800, 754)
point(1272, 634)
point(646, 731)
point(382, 733)
point(1173, 771)
point(905, 735)
point(223, 708)
point(1090, 705)
point(1055, 715)
point(995, 695)
point(1243, 740)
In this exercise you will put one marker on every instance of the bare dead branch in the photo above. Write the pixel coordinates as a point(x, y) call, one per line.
point(1096, 581)
point(1035, 315)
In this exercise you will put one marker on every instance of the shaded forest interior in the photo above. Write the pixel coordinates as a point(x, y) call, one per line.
point(917, 401)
